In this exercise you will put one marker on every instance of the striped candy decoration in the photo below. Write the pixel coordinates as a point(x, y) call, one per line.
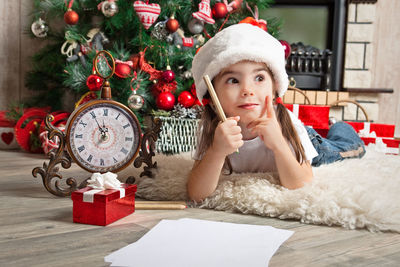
point(147, 13)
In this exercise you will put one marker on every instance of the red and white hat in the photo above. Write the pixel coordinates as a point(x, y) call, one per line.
point(237, 43)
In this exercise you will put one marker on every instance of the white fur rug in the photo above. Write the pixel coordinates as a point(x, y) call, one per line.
point(355, 193)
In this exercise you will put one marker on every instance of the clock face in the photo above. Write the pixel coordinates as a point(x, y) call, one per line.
point(103, 136)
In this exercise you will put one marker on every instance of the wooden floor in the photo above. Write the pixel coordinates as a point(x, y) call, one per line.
point(36, 229)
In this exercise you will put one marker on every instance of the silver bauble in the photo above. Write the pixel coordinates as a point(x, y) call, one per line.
point(109, 9)
point(159, 31)
point(39, 28)
point(135, 101)
point(187, 74)
point(195, 26)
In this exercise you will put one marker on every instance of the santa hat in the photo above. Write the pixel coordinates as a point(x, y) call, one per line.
point(237, 43)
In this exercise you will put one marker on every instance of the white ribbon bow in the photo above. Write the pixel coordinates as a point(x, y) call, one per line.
point(104, 181)
point(366, 132)
point(100, 182)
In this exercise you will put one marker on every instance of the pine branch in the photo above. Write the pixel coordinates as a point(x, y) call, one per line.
point(52, 75)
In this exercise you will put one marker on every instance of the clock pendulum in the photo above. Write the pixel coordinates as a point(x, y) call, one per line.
point(101, 136)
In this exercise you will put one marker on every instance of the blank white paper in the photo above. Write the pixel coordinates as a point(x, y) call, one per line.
point(199, 243)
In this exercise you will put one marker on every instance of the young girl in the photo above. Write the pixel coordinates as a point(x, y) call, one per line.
point(247, 68)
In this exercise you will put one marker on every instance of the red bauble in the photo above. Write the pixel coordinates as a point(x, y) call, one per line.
point(122, 70)
point(286, 47)
point(94, 82)
point(165, 101)
point(219, 10)
point(235, 4)
point(71, 17)
point(186, 99)
point(168, 76)
point(172, 25)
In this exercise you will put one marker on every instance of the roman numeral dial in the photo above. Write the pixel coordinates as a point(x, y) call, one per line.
point(103, 135)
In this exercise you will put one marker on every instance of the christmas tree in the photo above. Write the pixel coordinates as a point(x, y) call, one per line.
point(152, 42)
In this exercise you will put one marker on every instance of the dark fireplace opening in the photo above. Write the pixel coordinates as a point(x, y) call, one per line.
point(316, 31)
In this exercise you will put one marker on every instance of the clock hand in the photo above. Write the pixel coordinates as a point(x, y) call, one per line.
point(105, 129)
point(101, 129)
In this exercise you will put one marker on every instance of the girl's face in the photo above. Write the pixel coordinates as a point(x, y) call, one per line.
point(242, 88)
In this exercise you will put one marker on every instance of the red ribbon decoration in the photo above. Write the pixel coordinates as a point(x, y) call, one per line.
point(69, 6)
point(255, 14)
point(278, 100)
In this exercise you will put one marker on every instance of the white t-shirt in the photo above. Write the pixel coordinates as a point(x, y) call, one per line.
point(254, 156)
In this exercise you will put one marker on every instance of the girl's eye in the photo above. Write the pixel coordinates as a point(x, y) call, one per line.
point(232, 80)
point(260, 78)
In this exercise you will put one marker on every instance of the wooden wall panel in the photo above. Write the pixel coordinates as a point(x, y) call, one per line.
point(10, 41)
point(386, 70)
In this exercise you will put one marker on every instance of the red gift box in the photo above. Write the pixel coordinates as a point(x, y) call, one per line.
point(102, 207)
point(381, 130)
point(392, 145)
point(315, 116)
point(7, 133)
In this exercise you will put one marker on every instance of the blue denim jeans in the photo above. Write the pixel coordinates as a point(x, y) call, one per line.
point(341, 142)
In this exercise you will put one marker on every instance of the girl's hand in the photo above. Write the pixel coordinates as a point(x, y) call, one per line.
point(267, 126)
point(227, 137)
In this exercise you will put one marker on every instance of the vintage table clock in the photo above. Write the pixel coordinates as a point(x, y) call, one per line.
point(100, 136)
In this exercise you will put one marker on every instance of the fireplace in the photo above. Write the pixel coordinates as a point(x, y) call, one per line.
point(320, 26)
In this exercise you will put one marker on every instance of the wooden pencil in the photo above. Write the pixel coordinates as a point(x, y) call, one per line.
point(160, 205)
point(214, 97)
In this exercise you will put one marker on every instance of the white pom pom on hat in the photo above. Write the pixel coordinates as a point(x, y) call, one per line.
point(237, 43)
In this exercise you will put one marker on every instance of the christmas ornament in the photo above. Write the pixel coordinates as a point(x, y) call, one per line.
point(196, 26)
point(60, 120)
point(197, 102)
point(219, 10)
point(204, 13)
point(91, 95)
point(172, 25)
point(180, 41)
point(286, 47)
point(74, 51)
point(182, 112)
point(27, 130)
point(39, 28)
point(187, 74)
point(193, 90)
point(135, 101)
point(147, 13)
point(71, 17)
point(165, 101)
point(232, 6)
point(139, 63)
point(160, 31)
point(186, 99)
point(95, 41)
point(123, 69)
point(261, 23)
point(168, 75)
point(109, 8)
point(252, 21)
point(94, 82)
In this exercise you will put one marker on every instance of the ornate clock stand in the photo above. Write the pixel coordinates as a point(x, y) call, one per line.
point(50, 170)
